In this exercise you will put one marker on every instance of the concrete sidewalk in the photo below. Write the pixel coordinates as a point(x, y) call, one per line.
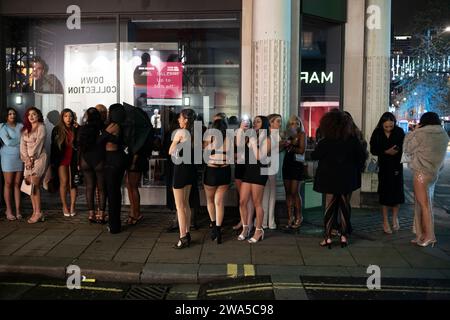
point(144, 253)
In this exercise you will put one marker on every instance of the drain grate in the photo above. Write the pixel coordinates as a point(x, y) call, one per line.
point(147, 293)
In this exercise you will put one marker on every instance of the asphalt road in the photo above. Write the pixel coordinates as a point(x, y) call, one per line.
point(249, 289)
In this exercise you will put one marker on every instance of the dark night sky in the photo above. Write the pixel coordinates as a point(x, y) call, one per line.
point(403, 12)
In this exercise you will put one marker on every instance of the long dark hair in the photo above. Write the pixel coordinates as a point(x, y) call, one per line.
point(61, 129)
point(190, 115)
point(7, 113)
point(220, 125)
point(429, 119)
point(387, 116)
point(89, 132)
point(336, 125)
point(27, 123)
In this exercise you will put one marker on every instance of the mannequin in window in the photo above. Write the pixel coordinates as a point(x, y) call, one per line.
point(156, 121)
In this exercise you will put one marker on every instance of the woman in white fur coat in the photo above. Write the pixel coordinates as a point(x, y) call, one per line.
point(425, 149)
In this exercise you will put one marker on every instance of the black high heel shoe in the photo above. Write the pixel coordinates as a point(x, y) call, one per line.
point(182, 243)
point(219, 234)
point(214, 232)
point(326, 243)
point(344, 241)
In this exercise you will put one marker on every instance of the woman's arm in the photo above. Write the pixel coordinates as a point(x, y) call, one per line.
point(176, 139)
point(40, 141)
point(6, 137)
point(301, 138)
point(23, 150)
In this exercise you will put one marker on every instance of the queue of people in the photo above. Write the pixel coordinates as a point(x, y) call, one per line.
point(97, 150)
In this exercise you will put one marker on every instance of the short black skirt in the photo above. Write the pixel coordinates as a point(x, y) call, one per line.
point(140, 165)
point(239, 171)
point(253, 175)
point(293, 170)
point(217, 176)
point(183, 175)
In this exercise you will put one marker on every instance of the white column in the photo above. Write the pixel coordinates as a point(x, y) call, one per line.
point(378, 51)
point(354, 68)
point(377, 73)
point(271, 57)
point(246, 57)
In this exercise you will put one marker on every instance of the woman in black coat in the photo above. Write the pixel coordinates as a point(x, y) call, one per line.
point(386, 143)
point(341, 158)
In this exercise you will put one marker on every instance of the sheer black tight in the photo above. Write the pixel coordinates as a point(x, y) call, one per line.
point(94, 178)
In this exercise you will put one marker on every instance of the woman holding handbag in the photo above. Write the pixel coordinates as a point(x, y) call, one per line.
point(63, 159)
point(32, 153)
point(12, 166)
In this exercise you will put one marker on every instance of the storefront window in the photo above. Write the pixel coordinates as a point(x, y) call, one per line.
point(160, 64)
point(320, 75)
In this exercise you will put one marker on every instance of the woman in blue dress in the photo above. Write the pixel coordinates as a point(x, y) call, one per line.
point(12, 166)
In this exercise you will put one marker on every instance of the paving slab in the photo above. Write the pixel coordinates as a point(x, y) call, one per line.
point(69, 251)
point(419, 258)
point(165, 253)
point(229, 252)
point(383, 257)
point(274, 270)
point(282, 255)
point(132, 255)
point(337, 256)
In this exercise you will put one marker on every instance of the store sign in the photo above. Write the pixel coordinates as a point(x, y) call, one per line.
point(167, 83)
point(89, 76)
point(317, 77)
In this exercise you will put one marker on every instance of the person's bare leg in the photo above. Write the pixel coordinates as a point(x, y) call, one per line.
point(244, 197)
point(17, 183)
point(9, 183)
point(287, 190)
point(421, 192)
point(210, 193)
point(257, 196)
point(37, 194)
point(187, 192)
point(63, 173)
point(73, 199)
point(181, 210)
point(395, 222)
point(219, 204)
point(386, 225)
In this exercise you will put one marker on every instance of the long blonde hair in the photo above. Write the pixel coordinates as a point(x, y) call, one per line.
point(61, 133)
point(296, 119)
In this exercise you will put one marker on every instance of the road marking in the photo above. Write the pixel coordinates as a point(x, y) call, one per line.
point(381, 290)
point(245, 286)
point(232, 270)
point(241, 291)
point(82, 288)
point(18, 284)
point(385, 287)
point(249, 270)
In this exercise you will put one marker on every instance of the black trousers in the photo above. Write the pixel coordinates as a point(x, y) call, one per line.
point(115, 164)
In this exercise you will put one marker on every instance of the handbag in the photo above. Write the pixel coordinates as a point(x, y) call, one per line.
point(373, 167)
point(27, 187)
point(299, 157)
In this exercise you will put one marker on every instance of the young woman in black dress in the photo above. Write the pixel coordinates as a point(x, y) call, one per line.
point(293, 169)
point(184, 174)
point(239, 170)
point(217, 177)
point(386, 142)
point(254, 180)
